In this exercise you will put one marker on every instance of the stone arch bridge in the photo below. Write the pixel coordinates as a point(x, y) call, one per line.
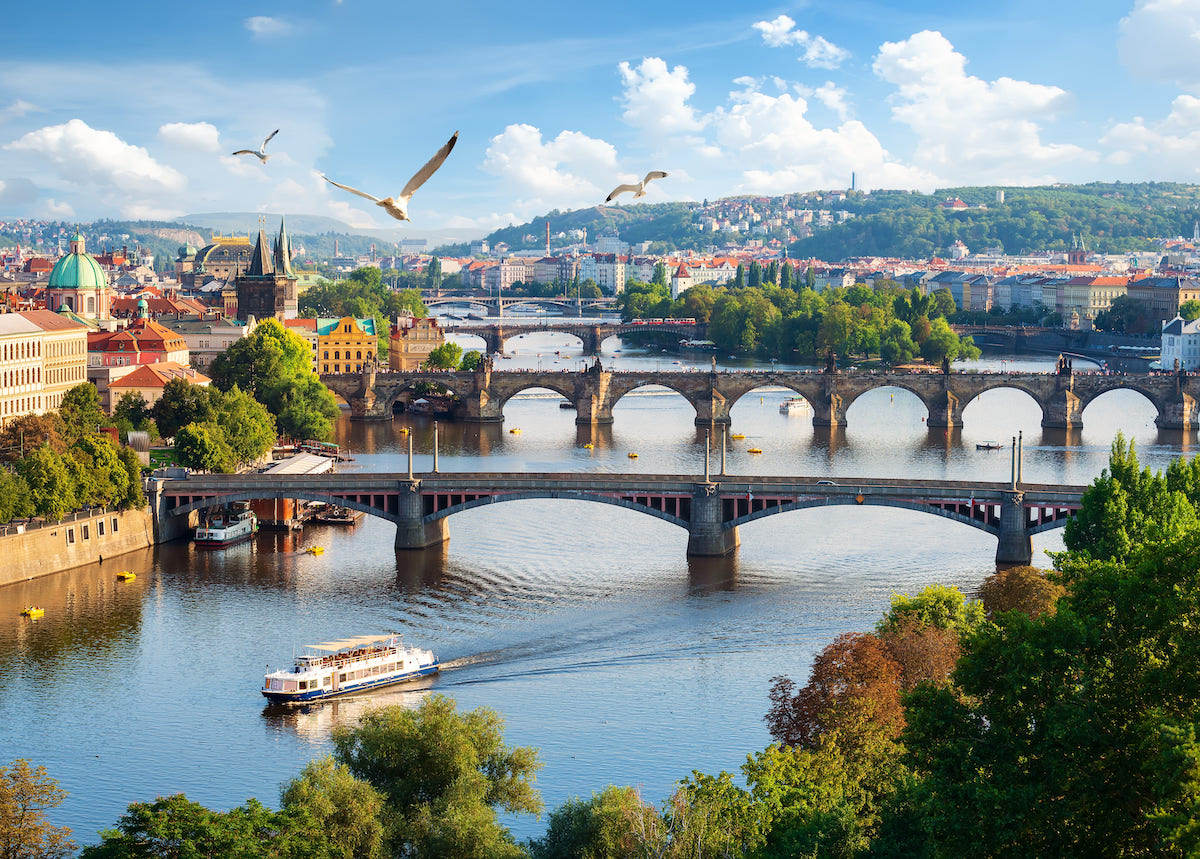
point(711, 512)
point(591, 334)
point(480, 396)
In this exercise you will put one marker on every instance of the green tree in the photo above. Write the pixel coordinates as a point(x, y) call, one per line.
point(307, 410)
point(810, 278)
point(81, 413)
point(50, 483)
point(445, 774)
point(444, 357)
point(660, 274)
point(204, 447)
point(471, 361)
point(347, 811)
point(603, 827)
point(24, 433)
point(102, 477)
point(26, 794)
point(943, 304)
point(183, 403)
point(407, 300)
point(248, 427)
point(132, 412)
point(15, 498)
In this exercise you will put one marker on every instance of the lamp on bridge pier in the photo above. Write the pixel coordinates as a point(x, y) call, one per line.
point(707, 445)
point(723, 444)
point(410, 471)
point(435, 447)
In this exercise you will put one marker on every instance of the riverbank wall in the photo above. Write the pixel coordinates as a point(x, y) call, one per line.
point(86, 537)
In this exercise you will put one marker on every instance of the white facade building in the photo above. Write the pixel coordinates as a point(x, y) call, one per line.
point(1181, 344)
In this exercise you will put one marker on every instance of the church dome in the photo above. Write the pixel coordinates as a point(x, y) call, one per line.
point(77, 270)
point(187, 251)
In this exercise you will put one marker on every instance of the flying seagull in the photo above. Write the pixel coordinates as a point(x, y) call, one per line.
point(259, 153)
point(639, 190)
point(397, 206)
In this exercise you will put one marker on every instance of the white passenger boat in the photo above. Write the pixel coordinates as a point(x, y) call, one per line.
point(794, 404)
point(220, 531)
point(348, 665)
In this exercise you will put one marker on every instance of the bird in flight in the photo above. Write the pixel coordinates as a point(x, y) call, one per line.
point(397, 206)
point(639, 190)
point(259, 153)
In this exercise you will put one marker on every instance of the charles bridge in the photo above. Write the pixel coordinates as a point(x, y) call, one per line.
point(592, 334)
point(480, 396)
point(710, 508)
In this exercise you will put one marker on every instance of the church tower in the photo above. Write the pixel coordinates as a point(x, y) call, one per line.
point(79, 283)
point(267, 289)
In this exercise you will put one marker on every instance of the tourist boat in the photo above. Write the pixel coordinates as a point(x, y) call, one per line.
point(348, 665)
point(566, 404)
point(988, 445)
point(794, 404)
point(339, 516)
point(33, 611)
point(226, 530)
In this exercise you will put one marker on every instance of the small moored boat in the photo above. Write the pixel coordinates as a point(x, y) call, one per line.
point(754, 450)
point(988, 445)
point(33, 611)
point(339, 516)
point(348, 665)
point(126, 576)
point(226, 530)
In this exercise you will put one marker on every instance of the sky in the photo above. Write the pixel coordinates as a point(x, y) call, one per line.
point(132, 110)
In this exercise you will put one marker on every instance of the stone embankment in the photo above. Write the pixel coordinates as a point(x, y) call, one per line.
point(87, 537)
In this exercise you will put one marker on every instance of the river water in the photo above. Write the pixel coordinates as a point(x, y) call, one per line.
point(585, 626)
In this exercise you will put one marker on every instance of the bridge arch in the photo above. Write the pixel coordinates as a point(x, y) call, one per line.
point(535, 494)
point(620, 391)
point(270, 494)
point(984, 522)
point(539, 383)
point(1149, 396)
point(388, 403)
point(733, 398)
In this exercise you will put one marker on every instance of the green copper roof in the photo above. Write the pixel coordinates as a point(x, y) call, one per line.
point(77, 271)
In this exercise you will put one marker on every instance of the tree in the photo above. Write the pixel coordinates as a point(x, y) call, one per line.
point(204, 447)
point(25, 795)
point(660, 274)
point(607, 826)
point(445, 774)
point(248, 427)
point(81, 413)
point(132, 412)
point(810, 278)
point(346, 810)
point(51, 486)
point(102, 477)
point(174, 827)
point(15, 498)
point(307, 410)
point(24, 433)
point(471, 362)
point(1023, 589)
point(443, 357)
point(183, 403)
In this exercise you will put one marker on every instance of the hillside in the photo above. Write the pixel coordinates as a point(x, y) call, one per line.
point(1110, 218)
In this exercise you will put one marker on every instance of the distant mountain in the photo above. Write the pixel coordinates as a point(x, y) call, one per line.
point(317, 225)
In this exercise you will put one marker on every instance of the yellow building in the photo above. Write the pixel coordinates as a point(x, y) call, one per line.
point(343, 345)
point(42, 356)
point(411, 341)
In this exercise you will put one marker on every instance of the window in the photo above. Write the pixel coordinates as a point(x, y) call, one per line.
point(326, 354)
point(85, 532)
point(70, 536)
point(99, 527)
point(342, 677)
point(114, 524)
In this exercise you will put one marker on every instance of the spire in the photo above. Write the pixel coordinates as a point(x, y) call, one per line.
point(283, 252)
point(260, 261)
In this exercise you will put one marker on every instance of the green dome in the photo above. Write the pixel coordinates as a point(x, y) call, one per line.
point(77, 271)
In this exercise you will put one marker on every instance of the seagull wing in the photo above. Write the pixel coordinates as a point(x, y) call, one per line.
point(268, 140)
point(621, 189)
point(245, 152)
point(654, 174)
point(428, 170)
point(351, 190)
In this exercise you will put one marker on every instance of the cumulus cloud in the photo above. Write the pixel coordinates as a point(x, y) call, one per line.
point(656, 98)
point(1160, 40)
point(789, 152)
point(815, 51)
point(832, 96)
point(557, 168)
point(91, 156)
point(264, 26)
point(190, 135)
point(1168, 147)
point(17, 109)
point(969, 129)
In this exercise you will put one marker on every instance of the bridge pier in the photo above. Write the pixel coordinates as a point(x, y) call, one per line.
point(166, 526)
point(1062, 411)
point(707, 534)
point(712, 410)
point(945, 411)
point(828, 411)
point(1177, 413)
point(412, 531)
point(1014, 545)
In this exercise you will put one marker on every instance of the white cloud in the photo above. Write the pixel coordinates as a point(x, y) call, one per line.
point(1170, 147)
point(655, 98)
point(1160, 40)
point(788, 152)
point(264, 26)
point(51, 208)
point(968, 129)
point(90, 156)
point(16, 194)
point(829, 94)
point(566, 168)
point(17, 109)
point(815, 51)
point(190, 135)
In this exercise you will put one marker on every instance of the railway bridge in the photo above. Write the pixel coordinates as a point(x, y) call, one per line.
point(711, 510)
point(479, 396)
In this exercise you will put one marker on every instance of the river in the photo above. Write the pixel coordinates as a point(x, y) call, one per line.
point(585, 626)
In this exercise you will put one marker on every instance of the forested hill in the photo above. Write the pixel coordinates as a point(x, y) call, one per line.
point(1108, 217)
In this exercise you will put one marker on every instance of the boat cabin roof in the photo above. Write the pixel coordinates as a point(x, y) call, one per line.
point(351, 643)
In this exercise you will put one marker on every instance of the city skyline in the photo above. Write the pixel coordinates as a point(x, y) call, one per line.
point(136, 115)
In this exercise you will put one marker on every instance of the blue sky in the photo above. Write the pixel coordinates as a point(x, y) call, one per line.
point(131, 110)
